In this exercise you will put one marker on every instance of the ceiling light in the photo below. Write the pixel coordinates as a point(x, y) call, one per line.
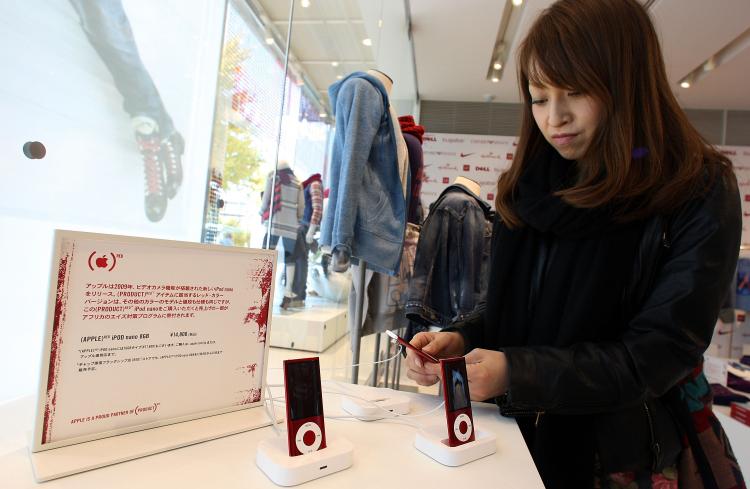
point(339, 77)
point(380, 23)
point(495, 79)
point(685, 84)
point(367, 41)
point(497, 66)
point(305, 3)
point(517, 3)
point(269, 40)
point(334, 63)
point(323, 114)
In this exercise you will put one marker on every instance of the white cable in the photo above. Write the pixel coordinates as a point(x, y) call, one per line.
point(375, 418)
point(398, 352)
point(272, 412)
point(386, 411)
point(389, 415)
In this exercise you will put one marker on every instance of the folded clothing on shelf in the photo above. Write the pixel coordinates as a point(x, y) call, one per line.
point(725, 397)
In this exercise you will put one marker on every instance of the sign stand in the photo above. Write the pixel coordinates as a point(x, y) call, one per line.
point(190, 318)
point(72, 459)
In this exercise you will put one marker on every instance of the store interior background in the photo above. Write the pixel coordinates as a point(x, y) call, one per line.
point(219, 67)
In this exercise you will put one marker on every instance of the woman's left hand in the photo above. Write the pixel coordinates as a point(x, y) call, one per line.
point(488, 373)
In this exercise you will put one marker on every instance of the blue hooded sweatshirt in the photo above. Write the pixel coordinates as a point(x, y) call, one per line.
point(366, 213)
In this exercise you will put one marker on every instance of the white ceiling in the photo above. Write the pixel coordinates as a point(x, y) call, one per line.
point(453, 43)
point(329, 31)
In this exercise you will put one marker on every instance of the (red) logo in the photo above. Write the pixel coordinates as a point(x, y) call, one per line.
point(490, 196)
point(467, 167)
point(747, 198)
point(446, 180)
point(509, 156)
point(102, 261)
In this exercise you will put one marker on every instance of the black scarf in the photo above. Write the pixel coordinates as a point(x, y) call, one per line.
point(583, 260)
point(585, 256)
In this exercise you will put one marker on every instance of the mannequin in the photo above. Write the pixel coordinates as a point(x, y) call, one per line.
point(450, 269)
point(285, 215)
point(312, 189)
point(470, 184)
point(369, 176)
point(401, 150)
point(413, 135)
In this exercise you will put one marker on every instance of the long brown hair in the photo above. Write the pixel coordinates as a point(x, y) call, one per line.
point(649, 158)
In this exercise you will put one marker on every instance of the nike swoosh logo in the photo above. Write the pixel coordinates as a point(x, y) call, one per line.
point(464, 155)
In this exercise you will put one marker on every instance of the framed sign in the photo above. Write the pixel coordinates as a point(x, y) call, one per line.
point(143, 333)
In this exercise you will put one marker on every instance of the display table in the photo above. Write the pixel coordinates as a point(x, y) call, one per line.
point(384, 455)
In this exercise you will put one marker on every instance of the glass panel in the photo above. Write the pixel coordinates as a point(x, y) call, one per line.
point(121, 95)
point(245, 132)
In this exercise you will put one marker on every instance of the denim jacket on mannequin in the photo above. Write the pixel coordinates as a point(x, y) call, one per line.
point(366, 213)
point(451, 267)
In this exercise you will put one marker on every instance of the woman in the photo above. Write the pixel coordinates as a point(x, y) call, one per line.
point(617, 237)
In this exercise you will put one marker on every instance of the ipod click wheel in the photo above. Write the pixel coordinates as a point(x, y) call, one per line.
point(308, 437)
point(462, 427)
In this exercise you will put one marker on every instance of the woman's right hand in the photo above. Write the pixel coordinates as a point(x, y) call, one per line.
point(439, 345)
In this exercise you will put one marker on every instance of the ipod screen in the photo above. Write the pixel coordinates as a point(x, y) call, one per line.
point(303, 380)
point(458, 387)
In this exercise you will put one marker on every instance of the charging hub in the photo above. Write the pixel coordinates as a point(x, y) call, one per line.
point(433, 442)
point(272, 457)
point(375, 404)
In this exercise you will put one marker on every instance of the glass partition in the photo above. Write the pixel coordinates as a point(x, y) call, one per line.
point(162, 121)
point(120, 94)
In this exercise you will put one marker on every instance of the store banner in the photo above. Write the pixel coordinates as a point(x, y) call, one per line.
point(479, 158)
point(484, 158)
point(740, 156)
point(143, 333)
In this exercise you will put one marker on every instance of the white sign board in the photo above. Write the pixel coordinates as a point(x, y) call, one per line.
point(143, 333)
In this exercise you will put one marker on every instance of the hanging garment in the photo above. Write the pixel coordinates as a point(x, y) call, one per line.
point(385, 295)
point(366, 215)
point(288, 203)
point(313, 192)
point(450, 269)
point(413, 136)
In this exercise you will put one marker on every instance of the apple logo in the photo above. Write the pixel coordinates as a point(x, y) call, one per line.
point(101, 262)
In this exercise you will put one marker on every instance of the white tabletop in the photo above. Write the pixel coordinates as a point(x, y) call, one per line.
point(384, 455)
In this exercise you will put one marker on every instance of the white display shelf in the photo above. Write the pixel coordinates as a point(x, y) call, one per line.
point(313, 328)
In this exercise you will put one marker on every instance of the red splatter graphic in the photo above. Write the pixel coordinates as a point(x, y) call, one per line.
point(249, 396)
point(263, 278)
point(61, 299)
point(248, 369)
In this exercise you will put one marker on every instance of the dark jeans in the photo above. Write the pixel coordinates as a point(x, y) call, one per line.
point(289, 245)
point(295, 253)
point(108, 30)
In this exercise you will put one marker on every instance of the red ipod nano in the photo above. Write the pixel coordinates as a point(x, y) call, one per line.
point(305, 427)
point(457, 401)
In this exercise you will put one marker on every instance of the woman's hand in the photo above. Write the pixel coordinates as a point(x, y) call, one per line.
point(439, 345)
point(488, 373)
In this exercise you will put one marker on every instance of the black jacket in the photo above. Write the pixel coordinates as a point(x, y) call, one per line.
point(676, 289)
point(451, 266)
